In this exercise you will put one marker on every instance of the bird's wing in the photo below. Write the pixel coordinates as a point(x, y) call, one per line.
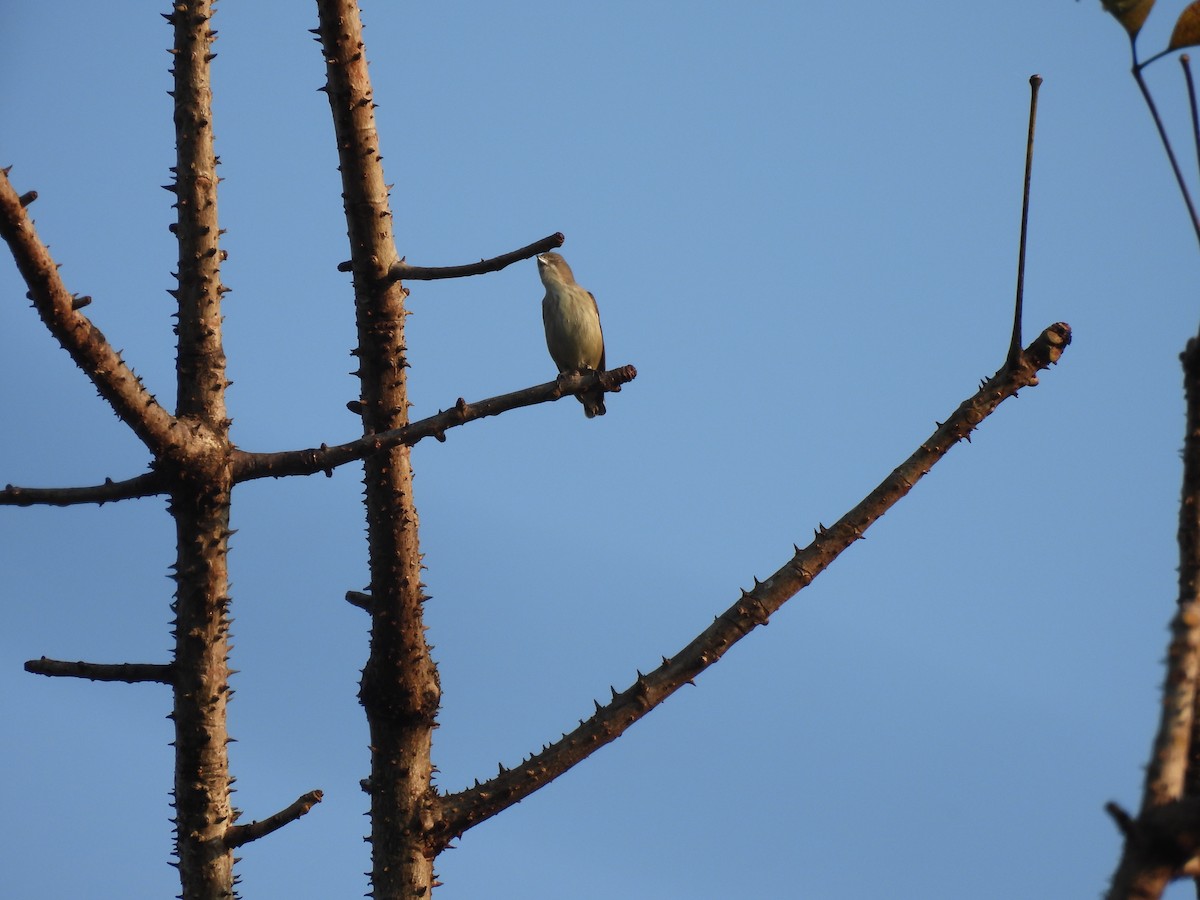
point(550, 343)
point(596, 307)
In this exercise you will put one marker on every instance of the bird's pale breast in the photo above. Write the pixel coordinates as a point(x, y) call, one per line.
point(573, 333)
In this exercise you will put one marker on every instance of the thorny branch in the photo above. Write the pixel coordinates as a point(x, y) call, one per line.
point(90, 350)
point(131, 673)
point(147, 485)
point(403, 271)
point(237, 835)
point(248, 466)
point(461, 811)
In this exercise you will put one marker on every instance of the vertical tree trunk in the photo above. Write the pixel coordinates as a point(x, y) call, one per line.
point(202, 805)
point(399, 690)
point(202, 482)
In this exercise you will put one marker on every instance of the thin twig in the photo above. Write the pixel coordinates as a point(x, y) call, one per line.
point(403, 271)
point(1162, 135)
point(1186, 62)
point(1014, 347)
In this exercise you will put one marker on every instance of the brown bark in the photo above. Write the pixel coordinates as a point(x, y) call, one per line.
point(1163, 842)
point(248, 466)
point(399, 690)
point(114, 379)
point(201, 483)
point(465, 809)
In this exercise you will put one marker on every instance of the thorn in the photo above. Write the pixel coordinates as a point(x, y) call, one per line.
point(28, 197)
point(1124, 821)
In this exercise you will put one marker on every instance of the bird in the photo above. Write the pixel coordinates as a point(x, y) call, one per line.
point(572, 319)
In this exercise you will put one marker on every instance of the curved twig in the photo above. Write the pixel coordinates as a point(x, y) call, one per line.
point(402, 271)
point(237, 835)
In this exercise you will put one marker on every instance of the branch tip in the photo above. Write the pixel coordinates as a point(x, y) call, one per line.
point(130, 673)
point(237, 835)
point(403, 271)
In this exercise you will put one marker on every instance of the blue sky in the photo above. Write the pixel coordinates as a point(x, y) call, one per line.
point(801, 227)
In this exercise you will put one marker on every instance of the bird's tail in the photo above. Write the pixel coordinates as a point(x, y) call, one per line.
point(593, 403)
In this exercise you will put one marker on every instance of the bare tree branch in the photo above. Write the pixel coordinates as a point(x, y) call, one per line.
point(115, 381)
point(462, 810)
point(132, 673)
point(147, 485)
point(237, 835)
point(248, 466)
point(403, 271)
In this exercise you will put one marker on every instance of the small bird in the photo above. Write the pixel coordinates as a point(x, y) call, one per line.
point(572, 319)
